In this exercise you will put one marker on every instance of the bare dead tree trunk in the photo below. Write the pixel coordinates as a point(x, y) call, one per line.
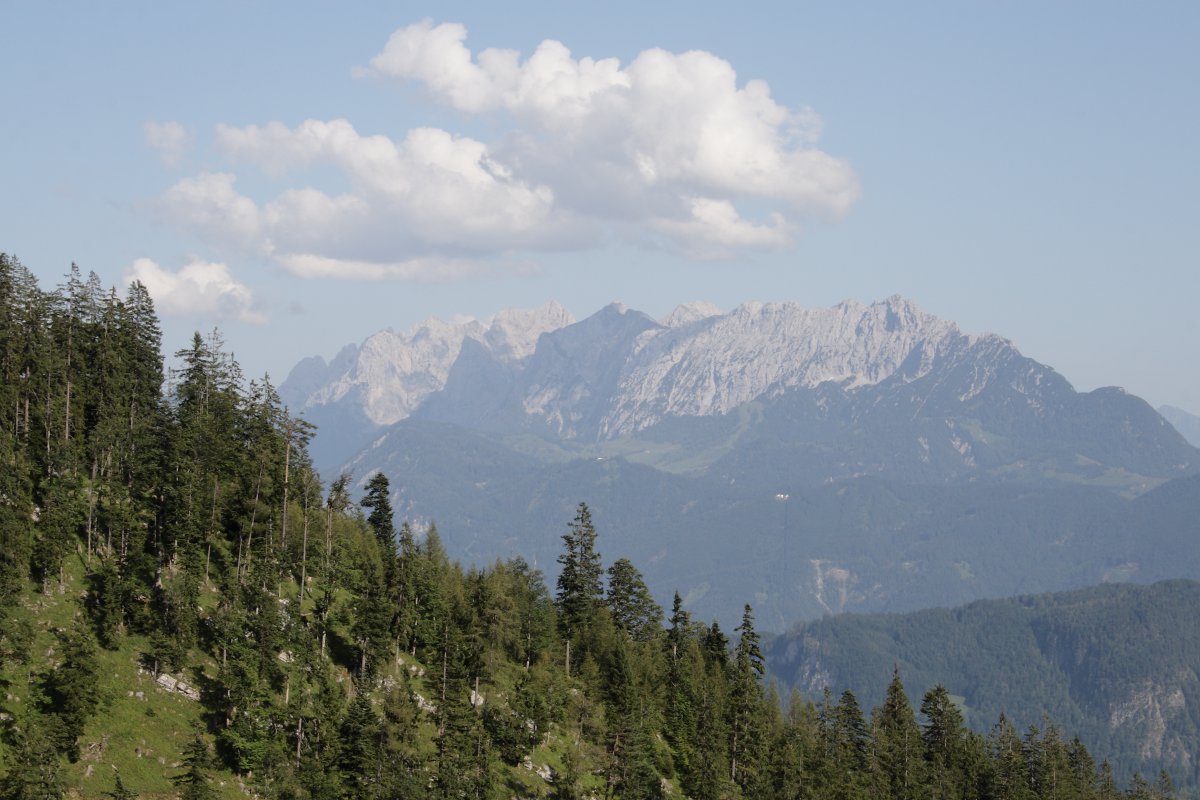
point(303, 556)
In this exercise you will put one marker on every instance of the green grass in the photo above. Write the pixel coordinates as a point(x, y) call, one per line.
point(142, 737)
point(141, 729)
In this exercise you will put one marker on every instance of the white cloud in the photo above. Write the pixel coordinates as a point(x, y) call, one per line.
point(198, 288)
point(209, 206)
point(169, 139)
point(667, 120)
point(307, 265)
point(715, 230)
point(668, 149)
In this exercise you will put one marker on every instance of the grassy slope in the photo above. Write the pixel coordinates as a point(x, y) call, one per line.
point(143, 737)
point(141, 729)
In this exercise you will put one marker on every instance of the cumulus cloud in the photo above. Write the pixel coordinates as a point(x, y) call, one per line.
point(198, 288)
point(210, 206)
point(169, 139)
point(668, 149)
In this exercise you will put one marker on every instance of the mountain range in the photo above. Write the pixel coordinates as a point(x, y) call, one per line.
point(859, 457)
point(1187, 424)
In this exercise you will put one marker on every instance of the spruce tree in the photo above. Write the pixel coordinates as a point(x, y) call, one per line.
point(745, 705)
point(898, 746)
point(71, 690)
point(361, 736)
point(629, 602)
point(948, 767)
point(1009, 774)
point(195, 782)
point(579, 583)
point(380, 519)
point(847, 749)
point(32, 763)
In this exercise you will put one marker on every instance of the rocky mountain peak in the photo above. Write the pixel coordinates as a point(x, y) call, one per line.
point(619, 371)
point(390, 374)
point(513, 333)
point(686, 313)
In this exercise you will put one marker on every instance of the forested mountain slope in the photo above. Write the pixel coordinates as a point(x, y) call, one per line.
point(795, 550)
point(855, 458)
point(187, 610)
point(1118, 664)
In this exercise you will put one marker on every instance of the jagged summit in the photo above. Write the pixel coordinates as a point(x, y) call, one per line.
point(513, 333)
point(966, 402)
point(619, 370)
point(686, 313)
point(390, 374)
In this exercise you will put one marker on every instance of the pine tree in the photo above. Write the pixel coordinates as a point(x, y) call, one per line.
point(566, 782)
point(898, 745)
point(944, 737)
point(336, 503)
point(19, 334)
point(71, 690)
point(629, 771)
point(685, 672)
point(1009, 777)
point(847, 749)
point(745, 725)
point(1106, 784)
point(794, 753)
point(629, 602)
point(708, 778)
point(380, 520)
point(716, 647)
point(361, 737)
point(1164, 787)
point(32, 763)
point(194, 782)
point(579, 586)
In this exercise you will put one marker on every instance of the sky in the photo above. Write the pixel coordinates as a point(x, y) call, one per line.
point(301, 175)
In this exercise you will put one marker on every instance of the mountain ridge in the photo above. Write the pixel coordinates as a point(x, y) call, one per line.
point(887, 367)
point(888, 460)
point(1114, 662)
point(1185, 422)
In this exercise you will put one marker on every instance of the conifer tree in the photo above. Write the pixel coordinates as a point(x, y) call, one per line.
point(716, 647)
point(708, 778)
point(629, 770)
point(1106, 784)
point(944, 737)
point(897, 744)
point(579, 586)
point(629, 602)
point(380, 519)
point(1009, 774)
point(195, 782)
point(794, 753)
point(745, 724)
point(685, 674)
point(32, 768)
point(847, 749)
point(71, 690)
point(360, 735)
point(373, 613)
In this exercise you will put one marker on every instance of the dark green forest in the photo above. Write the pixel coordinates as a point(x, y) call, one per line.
point(1116, 664)
point(188, 610)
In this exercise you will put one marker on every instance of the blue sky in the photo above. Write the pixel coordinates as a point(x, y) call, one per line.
point(298, 176)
